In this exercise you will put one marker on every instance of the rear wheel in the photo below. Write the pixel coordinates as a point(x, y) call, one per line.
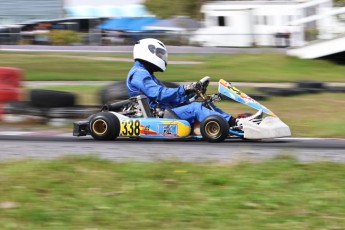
point(214, 128)
point(104, 126)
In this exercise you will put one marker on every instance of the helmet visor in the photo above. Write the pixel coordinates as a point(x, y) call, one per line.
point(159, 52)
point(162, 54)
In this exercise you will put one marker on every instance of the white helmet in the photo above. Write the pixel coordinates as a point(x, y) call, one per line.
point(152, 51)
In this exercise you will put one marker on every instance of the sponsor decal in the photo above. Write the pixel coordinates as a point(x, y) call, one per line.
point(225, 83)
point(167, 129)
point(241, 97)
point(244, 96)
point(145, 130)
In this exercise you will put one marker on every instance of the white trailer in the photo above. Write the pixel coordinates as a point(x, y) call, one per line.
point(258, 23)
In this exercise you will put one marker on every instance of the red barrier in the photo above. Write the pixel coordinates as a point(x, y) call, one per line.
point(10, 86)
point(11, 76)
point(9, 94)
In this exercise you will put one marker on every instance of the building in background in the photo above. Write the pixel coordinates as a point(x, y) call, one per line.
point(18, 11)
point(73, 3)
point(33, 19)
point(15, 11)
point(266, 23)
point(107, 11)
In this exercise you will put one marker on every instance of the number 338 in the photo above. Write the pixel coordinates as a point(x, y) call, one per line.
point(130, 128)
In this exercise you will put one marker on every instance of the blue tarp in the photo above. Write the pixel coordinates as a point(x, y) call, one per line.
point(127, 23)
point(138, 25)
point(115, 24)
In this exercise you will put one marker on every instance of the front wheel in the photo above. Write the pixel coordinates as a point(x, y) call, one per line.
point(214, 128)
point(104, 126)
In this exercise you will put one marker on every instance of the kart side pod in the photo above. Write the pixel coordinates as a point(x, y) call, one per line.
point(270, 127)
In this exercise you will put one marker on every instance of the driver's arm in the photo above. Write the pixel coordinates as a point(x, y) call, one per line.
point(162, 94)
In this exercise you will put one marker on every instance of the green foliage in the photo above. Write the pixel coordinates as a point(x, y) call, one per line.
point(167, 8)
point(311, 34)
point(63, 37)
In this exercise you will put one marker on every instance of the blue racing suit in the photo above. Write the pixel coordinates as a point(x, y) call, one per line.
point(141, 81)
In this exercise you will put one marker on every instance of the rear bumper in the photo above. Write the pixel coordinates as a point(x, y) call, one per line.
point(81, 128)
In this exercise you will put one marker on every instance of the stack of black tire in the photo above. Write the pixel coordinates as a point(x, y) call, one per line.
point(302, 87)
point(50, 104)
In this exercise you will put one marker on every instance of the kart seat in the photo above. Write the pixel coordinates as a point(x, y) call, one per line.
point(168, 113)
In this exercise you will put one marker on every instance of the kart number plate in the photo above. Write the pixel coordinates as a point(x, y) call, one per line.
point(130, 128)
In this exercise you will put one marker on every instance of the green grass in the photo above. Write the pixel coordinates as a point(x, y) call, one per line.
point(90, 193)
point(237, 67)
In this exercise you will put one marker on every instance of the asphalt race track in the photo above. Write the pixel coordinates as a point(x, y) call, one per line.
point(49, 145)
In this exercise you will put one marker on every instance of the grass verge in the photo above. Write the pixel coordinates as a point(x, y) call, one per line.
point(90, 193)
point(236, 67)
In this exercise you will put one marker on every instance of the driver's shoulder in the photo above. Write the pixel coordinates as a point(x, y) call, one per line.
point(141, 72)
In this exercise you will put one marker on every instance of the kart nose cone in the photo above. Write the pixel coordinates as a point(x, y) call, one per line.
point(270, 127)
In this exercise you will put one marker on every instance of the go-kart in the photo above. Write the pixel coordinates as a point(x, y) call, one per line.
point(134, 118)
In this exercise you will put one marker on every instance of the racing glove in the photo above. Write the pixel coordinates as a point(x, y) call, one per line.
point(192, 88)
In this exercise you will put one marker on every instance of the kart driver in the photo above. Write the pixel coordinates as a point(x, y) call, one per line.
point(150, 55)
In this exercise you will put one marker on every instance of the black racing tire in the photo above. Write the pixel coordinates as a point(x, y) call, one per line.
point(336, 89)
point(118, 91)
point(104, 126)
point(23, 108)
point(51, 98)
point(78, 111)
point(267, 90)
point(282, 91)
point(313, 90)
point(214, 128)
point(113, 92)
point(258, 97)
point(310, 84)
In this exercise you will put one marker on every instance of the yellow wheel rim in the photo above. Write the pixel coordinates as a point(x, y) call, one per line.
point(99, 127)
point(212, 129)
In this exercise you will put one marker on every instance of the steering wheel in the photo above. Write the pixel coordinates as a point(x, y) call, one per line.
point(205, 81)
point(203, 84)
